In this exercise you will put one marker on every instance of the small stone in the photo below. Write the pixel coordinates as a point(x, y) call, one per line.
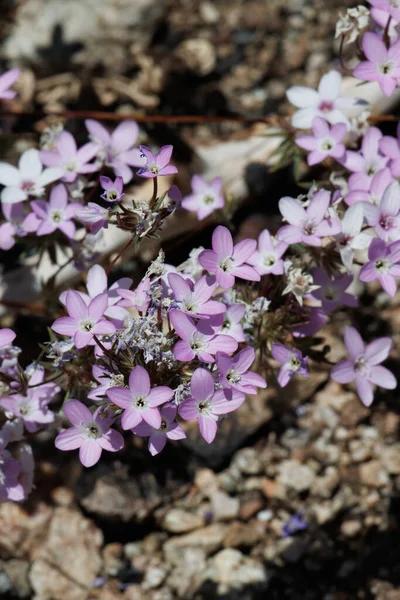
point(224, 507)
point(209, 12)
point(209, 539)
point(15, 572)
point(62, 496)
point(197, 55)
point(244, 534)
point(231, 570)
point(374, 474)
point(265, 515)
point(295, 475)
point(391, 459)
point(248, 461)
point(324, 486)
point(178, 520)
point(113, 558)
point(350, 528)
point(154, 578)
point(206, 481)
point(249, 507)
point(273, 489)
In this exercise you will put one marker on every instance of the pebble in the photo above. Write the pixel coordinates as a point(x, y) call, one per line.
point(295, 475)
point(374, 474)
point(178, 520)
point(224, 507)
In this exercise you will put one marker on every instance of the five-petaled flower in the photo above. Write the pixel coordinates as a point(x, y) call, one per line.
point(363, 365)
point(382, 64)
point(234, 371)
point(156, 164)
point(292, 361)
point(169, 429)
point(91, 433)
point(67, 156)
point(55, 214)
point(383, 264)
point(205, 197)
point(113, 190)
point(325, 141)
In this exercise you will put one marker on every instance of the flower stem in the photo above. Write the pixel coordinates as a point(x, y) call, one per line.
point(120, 253)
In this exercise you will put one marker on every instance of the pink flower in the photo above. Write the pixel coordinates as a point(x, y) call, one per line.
point(390, 147)
point(234, 371)
point(90, 433)
point(17, 224)
point(383, 64)
point(94, 216)
point(113, 190)
point(292, 362)
point(55, 214)
point(390, 7)
point(332, 291)
point(118, 146)
point(369, 191)
point(227, 261)
point(385, 219)
point(158, 436)
point(28, 180)
point(206, 404)
point(205, 197)
point(363, 365)
point(268, 256)
point(156, 164)
point(307, 225)
point(384, 264)
point(140, 401)
point(67, 156)
point(7, 79)
point(7, 336)
point(232, 322)
point(84, 321)
point(324, 142)
point(194, 298)
point(366, 162)
point(139, 298)
point(96, 284)
point(199, 340)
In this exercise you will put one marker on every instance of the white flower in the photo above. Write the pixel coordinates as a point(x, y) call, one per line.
point(352, 22)
point(325, 102)
point(28, 180)
point(352, 238)
point(300, 284)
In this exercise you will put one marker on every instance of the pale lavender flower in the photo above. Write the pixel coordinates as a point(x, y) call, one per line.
point(232, 322)
point(326, 102)
point(292, 360)
point(118, 146)
point(365, 163)
point(234, 371)
point(205, 197)
point(10, 487)
point(332, 291)
point(17, 224)
point(369, 191)
point(113, 190)
point(194, 298)
point(308, 225)
point(383, 264)
point(67, 157)
point(33, 407)
point(140, 401)
point(96, 284)
point(390, 7)
point(7, 336)
point(156, 164)
point(227, 261)
point(28, 180)
point(90, 433)
point(382, 64)
point(84, 321)
point(55, 214)
point(201, 339)
point(325, 141)
point(168, 429)
point(207, 405)
point(363, 365)
point(268, 256)
point(7, 79)
point(94, 216)
point(139, 298)
point(385, 219)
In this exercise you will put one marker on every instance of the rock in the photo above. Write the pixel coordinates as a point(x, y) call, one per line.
point(178, 520)
point(273, 489)
point(351, 527)
point(391, 459)
point(189, 563)
point(234, 573)
point(324, 486)
point(113, 557)
point(197, 55)
point(361, 450)
point(69, 560)
point(209, 539)
point(21, 533)
point(153, 578)
point(206, 481)
point(294, 475)
point(15, 572)
point(373, 474)
point(224, 507)
point(250, 504)
point(244, 534)
point(248, 461)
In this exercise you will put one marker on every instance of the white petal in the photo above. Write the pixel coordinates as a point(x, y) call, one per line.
point(303, 97)
point(9, 175)
point(329, 86)
point(30, 164)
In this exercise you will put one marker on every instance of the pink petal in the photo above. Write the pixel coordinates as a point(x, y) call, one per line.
point(221, 405)
point(139, 381)
point(112, 441)
point(86, 153)
point(120, 396)
point(353, 342)
point(152, 417)
point(179, 286)
point(183, 325)
point(97, 307)
point(157, 444)
point(103, 327)
point(82, 339)
point(225, 280)
point(246, 272)
point(243, 250)
point(343, 372)
point(77, 412)
point(290, 234)
point(124, 136)
point(222, 343)
point(164, 156)
point(188, 409)
point(66, 145)
point(378, 351)
point(59, 196)
point(89, 453)
point(208, 428)
point(98, 131)
point(202, 385)
point(222, 242)
point(76, 307)
point(320, 127)
point(160, 395)
point(374, 48)
point(208, 260)
point(292, 211)
point(280, 353)
point(131, 418)
point(318, 206)
point(183, 352)
point(383, 377)
point(364, 390)
point(70, 439)
point(244, 359)
point(65, 326)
